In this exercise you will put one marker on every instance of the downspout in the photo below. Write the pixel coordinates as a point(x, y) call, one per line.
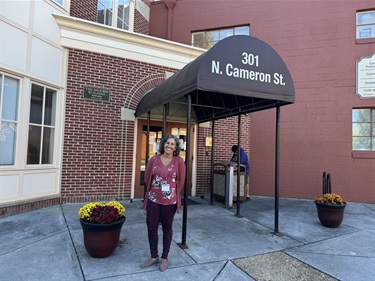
point(170, 5)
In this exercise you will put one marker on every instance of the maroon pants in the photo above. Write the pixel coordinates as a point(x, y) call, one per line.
point(160, 213)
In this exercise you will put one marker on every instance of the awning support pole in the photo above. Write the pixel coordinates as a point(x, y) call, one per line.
point(238, 165)
point(147, 148)
point(212, 163)
point(187, 181)
point(277, 147)
point(164, 120)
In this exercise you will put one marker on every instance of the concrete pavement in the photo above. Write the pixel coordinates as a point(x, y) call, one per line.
point(47, 244)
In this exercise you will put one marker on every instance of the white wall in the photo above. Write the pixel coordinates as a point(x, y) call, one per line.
point(30, 51)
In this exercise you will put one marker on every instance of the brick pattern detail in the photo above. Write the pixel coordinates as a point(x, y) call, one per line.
point(84, 9)
point(224, 139)
point(141, 25)
point(98, 146)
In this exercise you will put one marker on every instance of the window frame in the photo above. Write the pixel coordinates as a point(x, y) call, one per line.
point(53, 127)
point(207, 44)
point(114, 10)
point(17, 116)
point(65, 4)
point(372, 130)
point(371, 25)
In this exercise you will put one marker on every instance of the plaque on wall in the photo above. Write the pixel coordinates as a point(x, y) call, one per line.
point(94, 93)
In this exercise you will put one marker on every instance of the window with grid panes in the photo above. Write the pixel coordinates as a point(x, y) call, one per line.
point(9, 96)
point(206, 39)
point(363, 129)
point(114, 13)
point(41, 138)
point(366, 24)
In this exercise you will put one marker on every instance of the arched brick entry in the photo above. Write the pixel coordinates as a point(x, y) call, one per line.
point(128, 128)
point(141, 88)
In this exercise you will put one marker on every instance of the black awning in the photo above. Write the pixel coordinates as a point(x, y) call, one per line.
point(240, 74)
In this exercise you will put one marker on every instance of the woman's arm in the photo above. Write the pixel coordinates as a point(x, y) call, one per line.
point(150, 164)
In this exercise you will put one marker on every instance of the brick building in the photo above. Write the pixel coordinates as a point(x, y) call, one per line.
point(321, 44)
point(73, 72)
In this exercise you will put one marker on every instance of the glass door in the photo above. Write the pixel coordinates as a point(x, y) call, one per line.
point(177, 129)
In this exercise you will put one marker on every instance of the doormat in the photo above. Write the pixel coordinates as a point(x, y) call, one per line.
point(190, 202)
point(279, 266)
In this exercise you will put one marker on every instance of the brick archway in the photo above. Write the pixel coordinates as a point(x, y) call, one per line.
point(131, 100)
point(141, 88)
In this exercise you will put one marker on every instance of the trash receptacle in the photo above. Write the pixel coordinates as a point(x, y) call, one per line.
point(225, 182)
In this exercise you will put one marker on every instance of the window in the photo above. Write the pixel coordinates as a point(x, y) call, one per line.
point(366, 25)
point(363, 129)
point(41, 125)
point(60, 2)
point(114, 13)
point(206, 39)
point(9, 92)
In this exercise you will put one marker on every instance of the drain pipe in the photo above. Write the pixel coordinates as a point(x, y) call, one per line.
point(170, 5)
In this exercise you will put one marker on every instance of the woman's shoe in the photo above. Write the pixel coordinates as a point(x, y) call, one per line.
point(163, 264)
point(150, 262)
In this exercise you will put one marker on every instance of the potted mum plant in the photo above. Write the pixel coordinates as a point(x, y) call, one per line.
point(330, 209)
point(101, 224)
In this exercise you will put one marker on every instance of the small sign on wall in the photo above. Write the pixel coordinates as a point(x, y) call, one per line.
point(94, 93)
point(366, 77)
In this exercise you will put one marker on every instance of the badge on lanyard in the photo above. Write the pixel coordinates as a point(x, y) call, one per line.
point(165, 187)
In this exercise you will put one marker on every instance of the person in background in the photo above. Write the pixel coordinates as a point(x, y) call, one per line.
point(244, 160)
point(165, 178)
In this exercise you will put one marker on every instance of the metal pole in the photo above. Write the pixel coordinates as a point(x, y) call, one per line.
point(164, 120)
point(238, 165)
point(147, 148)
point(212, 163)
point(187, 182)
point(277, 144)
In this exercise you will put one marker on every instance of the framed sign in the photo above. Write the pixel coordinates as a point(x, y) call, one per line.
point(98, 94)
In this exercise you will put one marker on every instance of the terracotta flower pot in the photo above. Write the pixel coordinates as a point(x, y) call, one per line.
point(330, 215)
point(101, 239)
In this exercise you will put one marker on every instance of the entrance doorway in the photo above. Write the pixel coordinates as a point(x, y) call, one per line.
point(174, 128)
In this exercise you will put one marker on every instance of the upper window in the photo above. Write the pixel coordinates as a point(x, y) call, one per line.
point(9, 92)
point(41, 125)
point(59, 2)
point(366, 25)
point(114, 13)
point(363, 129)
point(206, 39)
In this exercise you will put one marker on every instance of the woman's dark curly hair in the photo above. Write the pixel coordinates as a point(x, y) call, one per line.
point(164, 140)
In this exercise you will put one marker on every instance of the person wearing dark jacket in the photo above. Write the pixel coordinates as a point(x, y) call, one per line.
point(244, 160)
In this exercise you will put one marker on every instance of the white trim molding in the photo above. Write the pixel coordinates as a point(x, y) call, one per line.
point(90, 36)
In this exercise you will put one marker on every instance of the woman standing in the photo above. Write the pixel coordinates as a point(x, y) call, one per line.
point(165, 178)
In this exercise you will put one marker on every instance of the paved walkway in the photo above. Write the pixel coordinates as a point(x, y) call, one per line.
point(47, 244)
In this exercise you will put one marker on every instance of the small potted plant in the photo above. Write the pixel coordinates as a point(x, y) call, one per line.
point(101, 224)
point(330, 209)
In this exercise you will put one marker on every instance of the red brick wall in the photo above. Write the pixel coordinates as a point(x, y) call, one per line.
point(84, 9)
point(94, 138)
point(316, 39)
point(141, 25)
point(27, 207)
point(159, 20)
point(225, 136)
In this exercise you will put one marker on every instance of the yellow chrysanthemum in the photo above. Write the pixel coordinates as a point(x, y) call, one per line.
point(118, 206)
point(329, 198)
point(86, 210)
